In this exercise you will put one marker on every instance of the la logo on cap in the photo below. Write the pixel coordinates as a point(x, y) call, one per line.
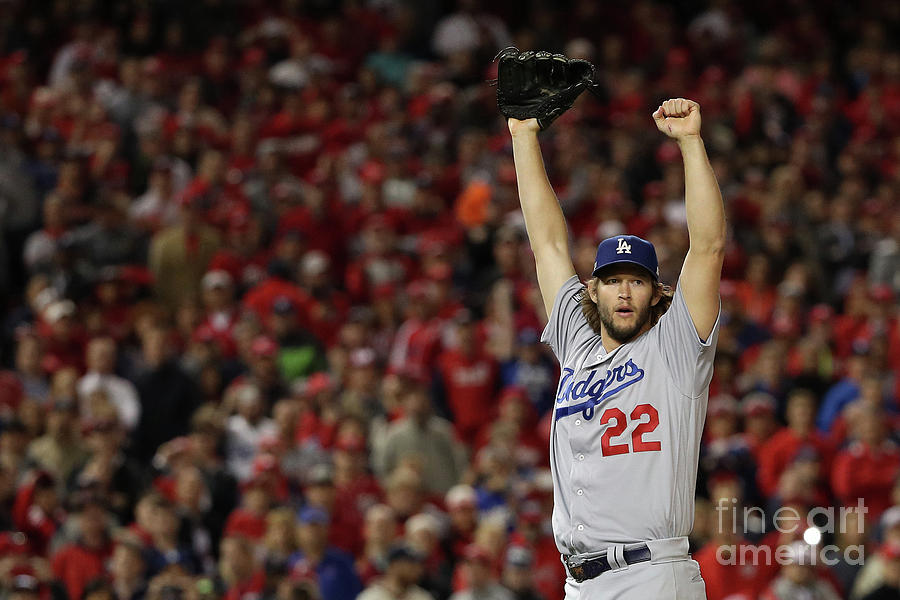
point(624, 247)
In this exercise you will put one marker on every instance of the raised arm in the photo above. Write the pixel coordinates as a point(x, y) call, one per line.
point(680, 119)
point(543, 217)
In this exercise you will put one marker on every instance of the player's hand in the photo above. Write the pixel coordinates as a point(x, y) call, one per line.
point(517, 127)
point(678, 118)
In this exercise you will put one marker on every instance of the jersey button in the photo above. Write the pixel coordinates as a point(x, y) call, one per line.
point(578, 421)
point(581, 528)
point(580, 492)
point(581, 457)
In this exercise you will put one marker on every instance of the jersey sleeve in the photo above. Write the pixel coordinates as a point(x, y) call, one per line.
point(567, 328)
point(688, 358)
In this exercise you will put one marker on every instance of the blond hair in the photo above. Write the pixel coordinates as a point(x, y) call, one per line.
point(592, 313)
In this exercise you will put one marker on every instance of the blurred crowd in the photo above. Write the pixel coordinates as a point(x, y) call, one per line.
point(271, 327)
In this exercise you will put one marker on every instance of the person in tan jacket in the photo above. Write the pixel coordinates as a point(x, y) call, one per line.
point(180, 254)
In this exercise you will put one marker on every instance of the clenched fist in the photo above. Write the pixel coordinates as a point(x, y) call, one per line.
point(678, 118)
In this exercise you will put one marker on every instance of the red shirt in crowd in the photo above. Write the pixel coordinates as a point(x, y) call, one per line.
point(861, 471)
point(75, 565)
point(260, 298)
point(732, 581)
point(469, 383)
point(778, 452)
point(361, 494)
point(249, 588)
point(244, 522)
point(416, 346)
point(345, 530)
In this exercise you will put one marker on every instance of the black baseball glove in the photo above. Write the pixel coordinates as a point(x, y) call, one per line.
point(540, 85)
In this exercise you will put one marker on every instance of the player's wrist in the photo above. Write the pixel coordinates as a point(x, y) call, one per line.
point(689, 139)
point(523, 128)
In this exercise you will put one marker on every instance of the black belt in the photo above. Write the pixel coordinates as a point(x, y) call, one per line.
point(584, 569)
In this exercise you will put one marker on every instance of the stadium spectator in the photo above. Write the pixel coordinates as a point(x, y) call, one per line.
point(517, 574)
point(401, 576)
point(422, 437)
point(101, 361)
point(868, 467)
point(333, 568)
point(798, 578)
point(777, 452)
point(76, 564)
point(481, 581)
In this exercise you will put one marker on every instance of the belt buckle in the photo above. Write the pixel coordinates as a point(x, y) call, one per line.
point(576, 568)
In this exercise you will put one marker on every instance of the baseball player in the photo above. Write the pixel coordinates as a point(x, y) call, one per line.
point(636, 361)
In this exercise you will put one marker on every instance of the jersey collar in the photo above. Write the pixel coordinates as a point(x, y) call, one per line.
point(593, 359)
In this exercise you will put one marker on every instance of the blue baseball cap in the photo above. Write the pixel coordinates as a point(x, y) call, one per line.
point(313, 514)
point(627, 249)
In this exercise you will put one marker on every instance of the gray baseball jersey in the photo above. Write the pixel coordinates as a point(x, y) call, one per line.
point(626, 430)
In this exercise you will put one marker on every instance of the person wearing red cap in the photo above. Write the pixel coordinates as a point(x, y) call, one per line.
point(776, 453)
point(249, 519)
point(260, 299)
point(758, 410)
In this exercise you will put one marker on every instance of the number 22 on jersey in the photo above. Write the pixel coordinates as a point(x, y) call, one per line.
point(648, 420)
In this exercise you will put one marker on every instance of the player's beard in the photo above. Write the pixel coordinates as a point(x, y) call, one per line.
point(623, 334)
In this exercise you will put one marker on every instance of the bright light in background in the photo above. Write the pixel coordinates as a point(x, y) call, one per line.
point(812, 536)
